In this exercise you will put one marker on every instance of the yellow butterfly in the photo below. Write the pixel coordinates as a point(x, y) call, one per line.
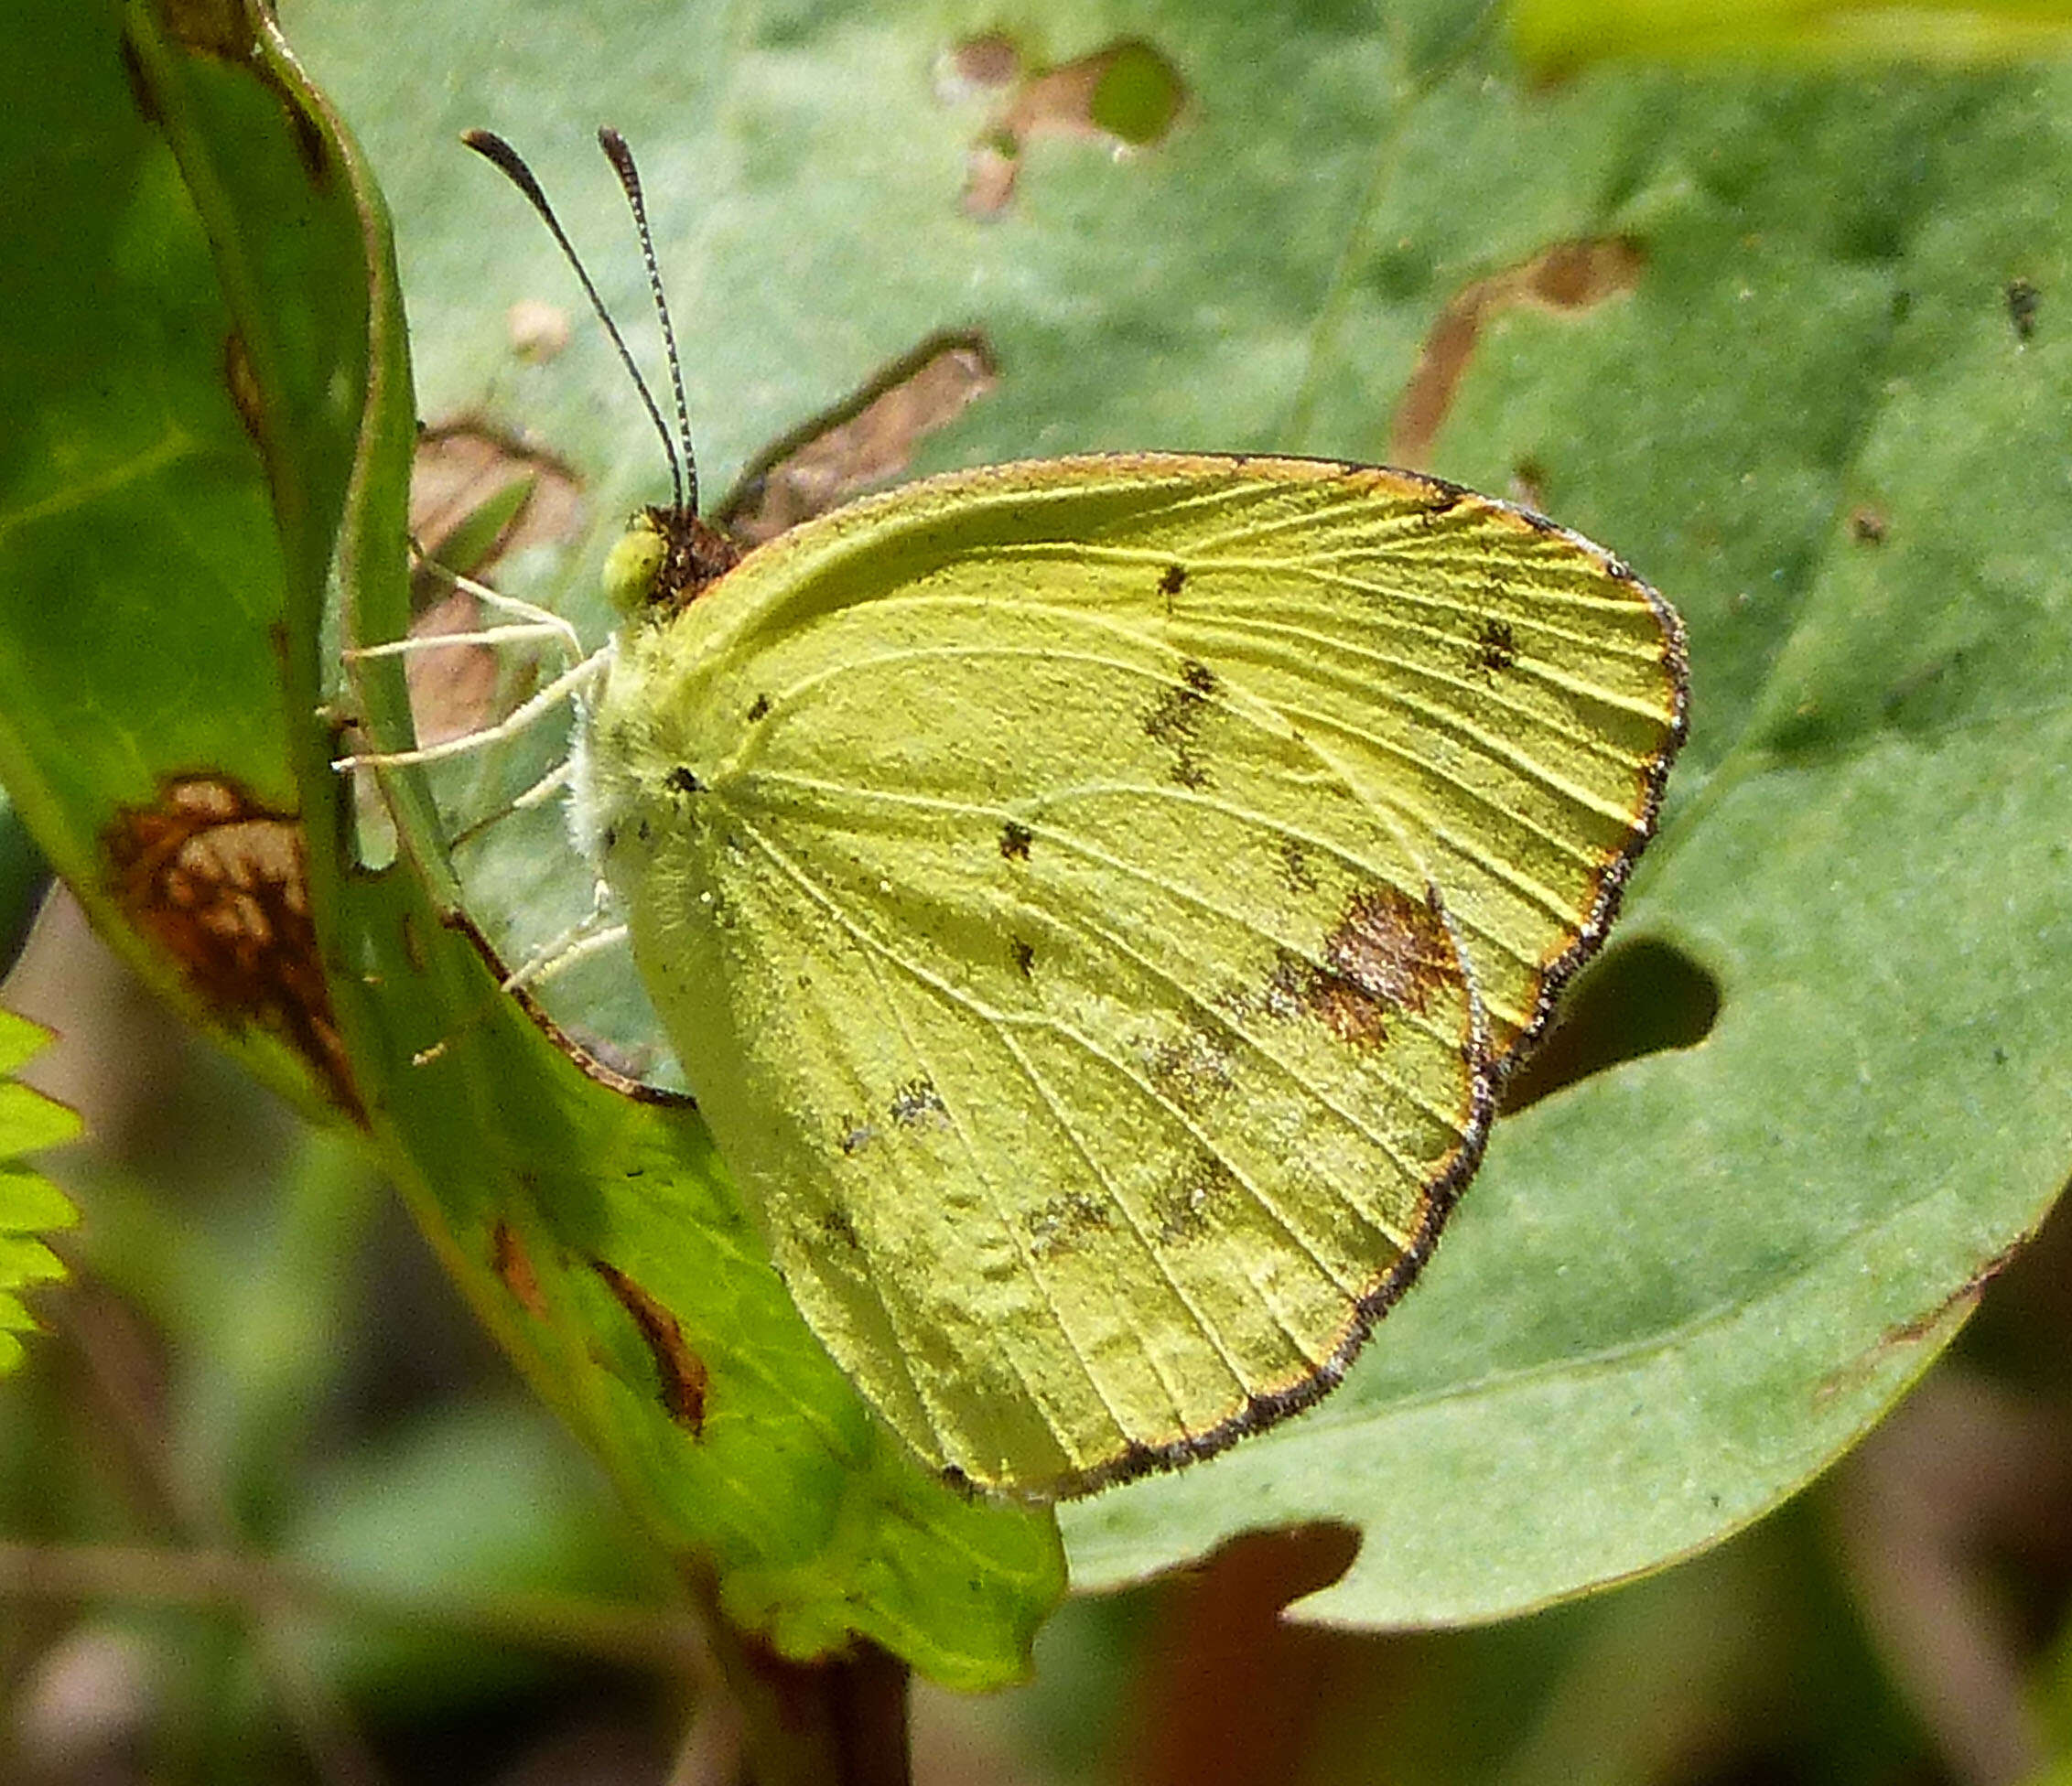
point(1096, 903)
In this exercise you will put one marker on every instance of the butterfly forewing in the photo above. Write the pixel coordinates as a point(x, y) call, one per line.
point(1093, 901)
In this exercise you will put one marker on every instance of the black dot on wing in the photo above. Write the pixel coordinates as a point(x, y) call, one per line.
point(1496, 646)
point(684, 780)
point(1173, 580)
point(758, 707)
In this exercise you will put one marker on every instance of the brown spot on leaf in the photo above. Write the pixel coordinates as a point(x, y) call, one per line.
point(538, 331)
point(219, 883)
point(1867, 524)
point(1528, 485)
point(208, 28)
point(978, 65)
point(1015, 839)
point(243, 386)
point(758, 708)
point(2023, 300)
point(836, 1225)
point(681, 1374)
point(1124, 95)
point(867, 439)
point(1565, 278)
point(513, 1267)
point(476, 497)
point(141, 93)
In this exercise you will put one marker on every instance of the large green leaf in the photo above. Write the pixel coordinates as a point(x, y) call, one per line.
point(1558, 36)
point(183, 453)
point(1826, 419)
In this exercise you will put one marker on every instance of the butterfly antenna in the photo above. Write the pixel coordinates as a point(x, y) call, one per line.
point(621, 159)
point(511, 165)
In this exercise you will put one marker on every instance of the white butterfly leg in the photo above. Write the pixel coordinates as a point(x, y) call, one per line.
point(590, 936)
point(545, 619)
point(569, 686)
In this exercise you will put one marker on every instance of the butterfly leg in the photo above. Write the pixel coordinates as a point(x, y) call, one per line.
point(589, 935)
point(570, 685)
point(538, 794)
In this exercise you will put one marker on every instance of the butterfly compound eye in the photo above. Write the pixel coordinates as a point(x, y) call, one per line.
point(633, 565)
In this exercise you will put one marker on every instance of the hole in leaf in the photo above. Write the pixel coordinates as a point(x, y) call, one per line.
point(1126, 95)
point(475, 499)
point(868, 438)
point(1233, 1689)
point(1567, 278)
point(1642, 998)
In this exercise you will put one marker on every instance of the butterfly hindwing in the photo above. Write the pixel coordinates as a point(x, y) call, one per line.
point(1094, 902)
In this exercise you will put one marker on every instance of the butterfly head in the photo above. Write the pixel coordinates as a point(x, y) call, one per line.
point(664, 561)
point(667, 556)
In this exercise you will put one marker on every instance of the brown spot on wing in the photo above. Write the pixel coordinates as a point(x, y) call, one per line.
point(1387, 953)
point(1063, 1223)
point(1176, 719)
point(1496, 646)
point(220, 882)
point(918, 1102)
point(1392, 947)
point(1187, 1201)
point(1188, 1069)
point(681, 1374)
point(1295, 869)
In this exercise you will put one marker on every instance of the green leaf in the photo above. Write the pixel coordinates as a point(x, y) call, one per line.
point(183, 456)
point(1821, 410)
point(1808, 410)
point(185, 319)
point(1557, 38)
point(31, 1204)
